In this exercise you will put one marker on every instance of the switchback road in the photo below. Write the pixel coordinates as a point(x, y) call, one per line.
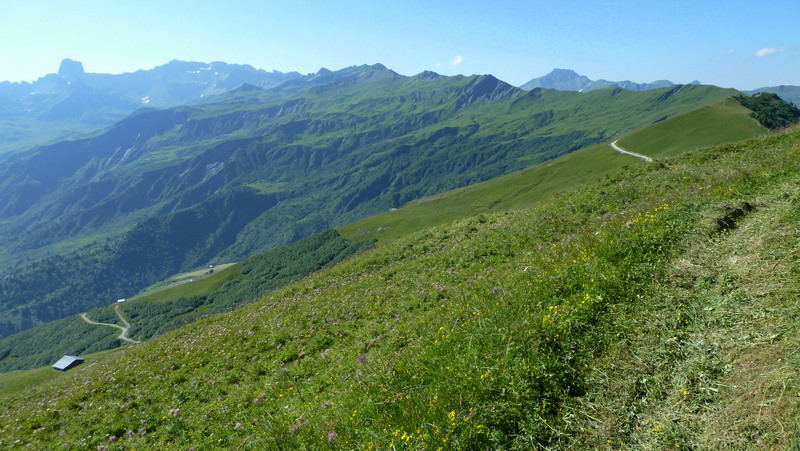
point(123, 335)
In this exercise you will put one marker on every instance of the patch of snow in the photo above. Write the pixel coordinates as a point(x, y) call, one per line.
point(146, 99)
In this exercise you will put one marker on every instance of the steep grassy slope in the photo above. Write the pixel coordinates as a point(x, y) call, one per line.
point(165, 192)
point(158, 310)
point(540, 327)
point(717, 123)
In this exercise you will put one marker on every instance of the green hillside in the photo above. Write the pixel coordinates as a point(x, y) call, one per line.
point(646, 310)
point(720, 122)
point(717, 123)
point(87, 221)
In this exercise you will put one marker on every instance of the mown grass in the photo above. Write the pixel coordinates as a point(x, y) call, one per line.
point(709, 358)
point(514, 330)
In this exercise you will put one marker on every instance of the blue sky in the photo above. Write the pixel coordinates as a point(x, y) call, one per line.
point(741, 44)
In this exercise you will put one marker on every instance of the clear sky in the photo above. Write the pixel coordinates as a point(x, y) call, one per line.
point(740, 44)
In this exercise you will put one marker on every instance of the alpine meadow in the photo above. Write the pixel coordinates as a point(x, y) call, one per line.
point(358, 259)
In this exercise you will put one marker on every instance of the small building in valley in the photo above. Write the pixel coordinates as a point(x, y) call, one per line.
point(67, 362)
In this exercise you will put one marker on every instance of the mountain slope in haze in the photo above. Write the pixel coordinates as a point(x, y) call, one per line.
point(569, 80)
point(73, 102)
point(625, 314)
point(165, 191)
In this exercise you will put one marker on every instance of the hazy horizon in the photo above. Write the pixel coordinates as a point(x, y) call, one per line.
point(514, 40)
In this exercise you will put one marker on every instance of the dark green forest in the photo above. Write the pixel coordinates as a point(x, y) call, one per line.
point(769, 110)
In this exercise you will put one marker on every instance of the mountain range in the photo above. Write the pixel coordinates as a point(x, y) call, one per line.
point(569, 80)
point(73, 103)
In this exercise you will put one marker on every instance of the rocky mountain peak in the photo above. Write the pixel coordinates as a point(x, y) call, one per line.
point(70, 68)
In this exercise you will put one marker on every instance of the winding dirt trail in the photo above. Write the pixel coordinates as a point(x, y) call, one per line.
point(123, 335)
point(628, 152)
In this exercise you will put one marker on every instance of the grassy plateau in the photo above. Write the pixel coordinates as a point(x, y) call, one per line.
point(650, 309)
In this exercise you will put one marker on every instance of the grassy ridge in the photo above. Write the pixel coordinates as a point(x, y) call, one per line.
point(517, 190)
point(720, 122)
point(491, 332)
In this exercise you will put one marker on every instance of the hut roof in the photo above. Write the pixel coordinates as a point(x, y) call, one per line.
point(67, 362)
